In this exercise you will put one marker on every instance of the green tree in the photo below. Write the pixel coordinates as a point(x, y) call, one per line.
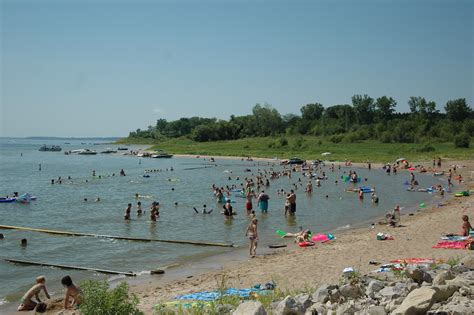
point(457, 110)
point(384, 108)
point(422, 109)
point(312, 111)
point(364, 108)
point(268, 120)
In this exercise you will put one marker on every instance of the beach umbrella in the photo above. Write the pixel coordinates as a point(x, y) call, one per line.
point(400, 159)
point(326, 153)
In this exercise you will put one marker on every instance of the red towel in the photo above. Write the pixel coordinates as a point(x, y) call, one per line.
point(454, 245)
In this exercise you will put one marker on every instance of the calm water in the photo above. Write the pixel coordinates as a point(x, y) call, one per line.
point(61, 207)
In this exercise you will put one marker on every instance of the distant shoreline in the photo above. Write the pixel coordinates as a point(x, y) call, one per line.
point(64, 138)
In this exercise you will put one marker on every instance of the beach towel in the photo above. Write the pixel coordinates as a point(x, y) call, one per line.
point(413, 261)
point(454, 238)
point(214, 295)
point(452, 245)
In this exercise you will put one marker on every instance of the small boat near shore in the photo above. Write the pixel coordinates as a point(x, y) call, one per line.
point(122, 149)
point(108, 151)
point(7, 200)
point(161, 155)
point(53, 148)
point(87, 152)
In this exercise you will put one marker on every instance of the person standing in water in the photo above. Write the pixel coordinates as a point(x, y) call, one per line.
point(154, 212)
point(139, 208)
point(292, 200)
point(262, 201)
point(128, 210)
point(252, 234)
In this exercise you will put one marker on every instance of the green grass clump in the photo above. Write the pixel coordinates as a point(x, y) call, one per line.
point(97, 299)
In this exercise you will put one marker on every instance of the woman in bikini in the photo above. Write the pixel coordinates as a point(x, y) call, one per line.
point(252, 234)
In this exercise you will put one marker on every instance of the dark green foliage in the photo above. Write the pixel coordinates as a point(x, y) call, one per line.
point(283, 141)
point(98, 300)
point(462, 141)
point(366, 119)
point(336, 138)
point(458, 110)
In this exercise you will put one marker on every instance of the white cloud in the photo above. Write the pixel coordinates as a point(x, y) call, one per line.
point(157, 110)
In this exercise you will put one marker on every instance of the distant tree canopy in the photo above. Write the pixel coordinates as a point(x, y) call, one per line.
point(366, 118)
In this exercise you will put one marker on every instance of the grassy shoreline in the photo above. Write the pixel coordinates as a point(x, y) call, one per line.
point(309, 148)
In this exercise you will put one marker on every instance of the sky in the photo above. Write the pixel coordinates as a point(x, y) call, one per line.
point(104, 68)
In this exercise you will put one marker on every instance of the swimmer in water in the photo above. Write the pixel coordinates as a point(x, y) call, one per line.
point(139, 208)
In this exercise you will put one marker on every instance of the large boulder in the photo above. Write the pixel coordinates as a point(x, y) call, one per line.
point(393, 292)
point(289, 306)
point(418, 275)
point(304, 300)
point(418, 301)
point(322, 293)
point(346, 309)
point(374, 287)
point(350, 291)
point(376, 310)
point(468, 262)
point(316, 309)
point(250, 308)
point(444, 292)
point(441, 277)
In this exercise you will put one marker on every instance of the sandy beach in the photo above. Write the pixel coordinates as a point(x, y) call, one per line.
point(295, 268)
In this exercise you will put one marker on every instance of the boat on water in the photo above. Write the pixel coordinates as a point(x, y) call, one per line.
point(7, 200)
point(87, 152)
point(295, 160)
point(122, 149)
point(53, 148)
point(161, 155)
point(108, 151)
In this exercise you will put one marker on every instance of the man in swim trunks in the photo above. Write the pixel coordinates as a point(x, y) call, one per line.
point(27, 304)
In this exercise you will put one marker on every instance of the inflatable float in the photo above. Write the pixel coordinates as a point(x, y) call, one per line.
point(462, 194)
point(366, 189)
point(306, 244)
point(322, 237)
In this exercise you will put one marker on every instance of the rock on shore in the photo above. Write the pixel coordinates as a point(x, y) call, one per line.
point(439, 289)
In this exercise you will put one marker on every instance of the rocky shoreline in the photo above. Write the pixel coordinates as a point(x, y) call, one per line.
point(438, 289)
point(415, 289)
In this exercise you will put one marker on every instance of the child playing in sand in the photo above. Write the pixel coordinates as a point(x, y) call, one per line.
point(73, 293)
point(27, 304)
point(466, 225)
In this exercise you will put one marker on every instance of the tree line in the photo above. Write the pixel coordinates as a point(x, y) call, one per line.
point(366, 118)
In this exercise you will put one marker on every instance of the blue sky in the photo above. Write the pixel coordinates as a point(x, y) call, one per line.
point(104, 68)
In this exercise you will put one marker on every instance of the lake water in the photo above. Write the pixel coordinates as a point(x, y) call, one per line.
point(61, 207)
